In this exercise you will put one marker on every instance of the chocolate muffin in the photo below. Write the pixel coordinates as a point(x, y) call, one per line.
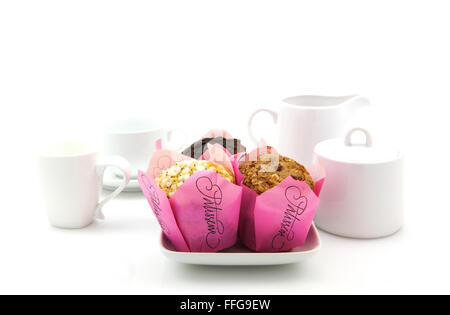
point(270, 170)
point(197, 149)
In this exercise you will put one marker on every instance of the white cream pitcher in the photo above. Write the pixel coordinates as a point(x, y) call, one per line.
point(303, 121)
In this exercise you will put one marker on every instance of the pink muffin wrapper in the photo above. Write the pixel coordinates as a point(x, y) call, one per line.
point(280, 218)
point(213, 133)
point(203, 214)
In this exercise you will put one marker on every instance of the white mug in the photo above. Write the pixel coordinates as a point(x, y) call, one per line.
point(71, 175)
point(135, 140)
point(303, 121)
point(362, 196)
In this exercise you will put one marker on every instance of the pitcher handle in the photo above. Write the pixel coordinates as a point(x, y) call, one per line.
point(250, 122)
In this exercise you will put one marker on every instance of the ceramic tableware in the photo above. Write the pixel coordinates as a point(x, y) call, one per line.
point(303, 121)
point(135, 140)
point(363, 193)
point(111, 182)
point(71, 177)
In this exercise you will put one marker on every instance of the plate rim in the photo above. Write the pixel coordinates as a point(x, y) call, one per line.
point(317, 248)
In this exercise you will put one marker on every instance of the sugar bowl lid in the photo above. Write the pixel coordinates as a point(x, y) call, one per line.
point(345, 150)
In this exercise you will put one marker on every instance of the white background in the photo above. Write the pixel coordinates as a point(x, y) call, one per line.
point(67, 67)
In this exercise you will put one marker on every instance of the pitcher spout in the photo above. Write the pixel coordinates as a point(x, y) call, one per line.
point(355, 103)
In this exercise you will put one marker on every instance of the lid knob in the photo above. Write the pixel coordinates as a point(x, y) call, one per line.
point(348, 137)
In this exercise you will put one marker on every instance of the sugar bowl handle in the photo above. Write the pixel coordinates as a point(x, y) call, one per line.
point(348, 137)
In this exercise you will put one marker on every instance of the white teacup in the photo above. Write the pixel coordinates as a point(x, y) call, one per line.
point(135, 140)
point(71, 176)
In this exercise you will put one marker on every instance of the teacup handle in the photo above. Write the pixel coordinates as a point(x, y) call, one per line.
point(250, 122)
point(348, 137)
point(124, 166)
point(170, 136)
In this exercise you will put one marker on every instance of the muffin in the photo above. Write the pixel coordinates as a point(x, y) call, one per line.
point(271, 169)
point(172, 178)
point(197, 149)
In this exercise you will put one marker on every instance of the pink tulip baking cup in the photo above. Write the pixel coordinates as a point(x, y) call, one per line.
point(280, 218)
point(203, 214)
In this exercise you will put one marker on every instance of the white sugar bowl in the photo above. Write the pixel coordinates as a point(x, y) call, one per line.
point(362, 196)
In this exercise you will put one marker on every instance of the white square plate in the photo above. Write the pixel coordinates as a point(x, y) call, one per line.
point(241, 256)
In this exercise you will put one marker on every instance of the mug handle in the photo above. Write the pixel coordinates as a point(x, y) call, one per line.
point(250, 122)
point(170, 136)
point(124, 166)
